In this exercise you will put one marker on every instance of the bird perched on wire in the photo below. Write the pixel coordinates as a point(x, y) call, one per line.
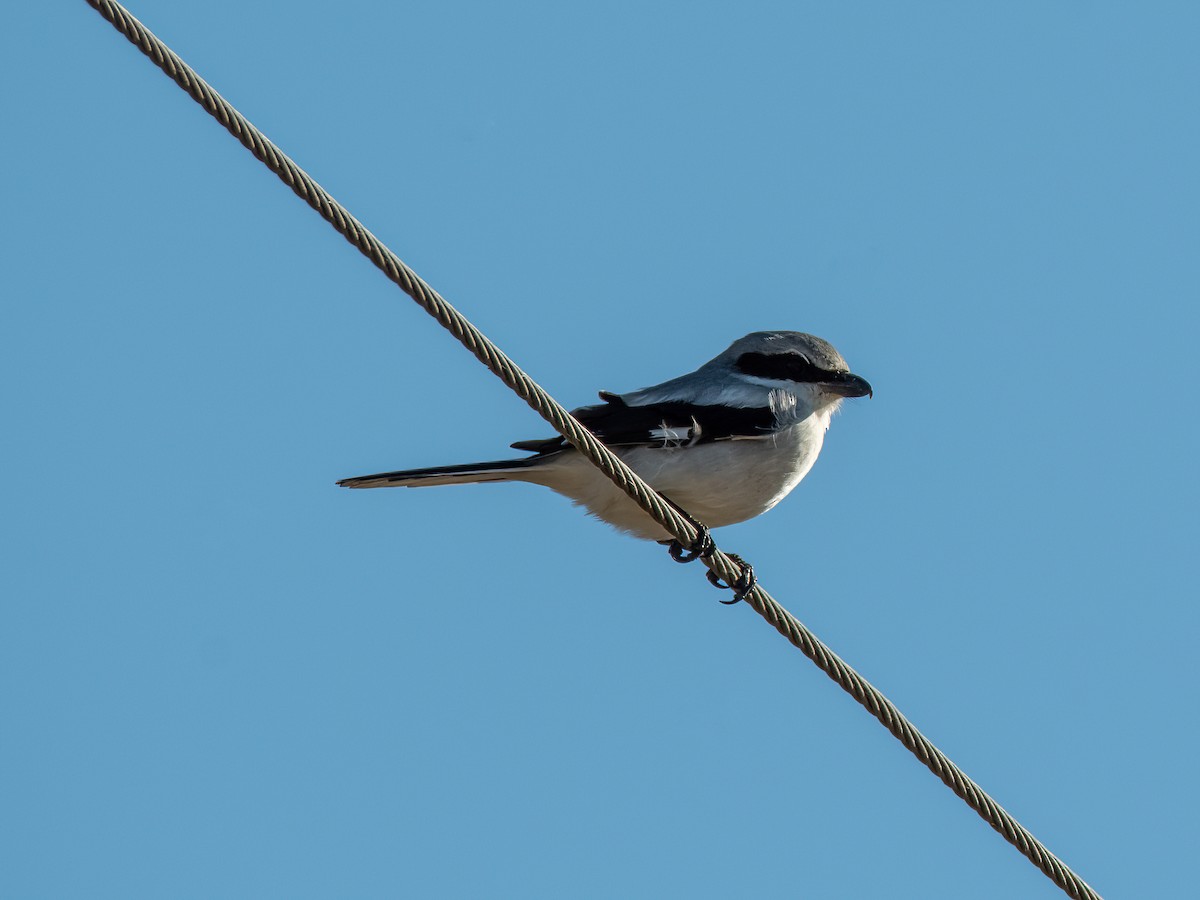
point(724, 443)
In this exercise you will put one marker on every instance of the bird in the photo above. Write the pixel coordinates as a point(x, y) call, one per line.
point(724, 443)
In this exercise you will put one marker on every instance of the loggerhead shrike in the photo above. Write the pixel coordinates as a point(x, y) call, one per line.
point(725, 443)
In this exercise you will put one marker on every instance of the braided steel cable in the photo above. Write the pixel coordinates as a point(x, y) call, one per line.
point(583, 440)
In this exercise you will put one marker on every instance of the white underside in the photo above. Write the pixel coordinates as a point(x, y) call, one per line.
point(719, 483)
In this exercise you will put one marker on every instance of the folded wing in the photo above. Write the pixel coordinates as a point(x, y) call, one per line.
point(619, 424)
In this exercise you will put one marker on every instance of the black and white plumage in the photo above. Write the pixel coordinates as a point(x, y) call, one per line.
point(725, 443)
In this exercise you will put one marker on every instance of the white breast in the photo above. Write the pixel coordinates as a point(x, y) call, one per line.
point(719, 483)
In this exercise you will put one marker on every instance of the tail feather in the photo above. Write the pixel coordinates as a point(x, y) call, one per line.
point(470, 473)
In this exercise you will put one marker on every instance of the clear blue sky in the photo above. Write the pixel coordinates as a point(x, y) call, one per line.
point(222, 676)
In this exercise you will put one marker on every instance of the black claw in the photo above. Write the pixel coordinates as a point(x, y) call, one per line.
point(744, 584)
point(701, 548)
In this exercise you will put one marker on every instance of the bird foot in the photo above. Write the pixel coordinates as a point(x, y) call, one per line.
point(741, 586)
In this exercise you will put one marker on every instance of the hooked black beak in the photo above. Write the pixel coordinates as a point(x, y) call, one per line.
point(848, 385)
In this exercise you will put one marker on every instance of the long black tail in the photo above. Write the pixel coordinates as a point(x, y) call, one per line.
point(499, 470)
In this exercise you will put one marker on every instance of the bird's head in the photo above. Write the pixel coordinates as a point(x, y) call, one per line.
point(798, 363)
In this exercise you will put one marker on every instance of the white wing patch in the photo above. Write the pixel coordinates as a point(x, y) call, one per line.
point(677, 436)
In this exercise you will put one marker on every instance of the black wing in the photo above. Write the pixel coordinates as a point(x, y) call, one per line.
point(674, 424)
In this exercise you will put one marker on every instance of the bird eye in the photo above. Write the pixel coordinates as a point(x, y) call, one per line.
point(779, 367)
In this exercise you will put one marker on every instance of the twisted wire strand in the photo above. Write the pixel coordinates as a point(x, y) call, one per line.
point(583, 440)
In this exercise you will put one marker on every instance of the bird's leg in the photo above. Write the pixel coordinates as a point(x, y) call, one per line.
point(701, 548)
